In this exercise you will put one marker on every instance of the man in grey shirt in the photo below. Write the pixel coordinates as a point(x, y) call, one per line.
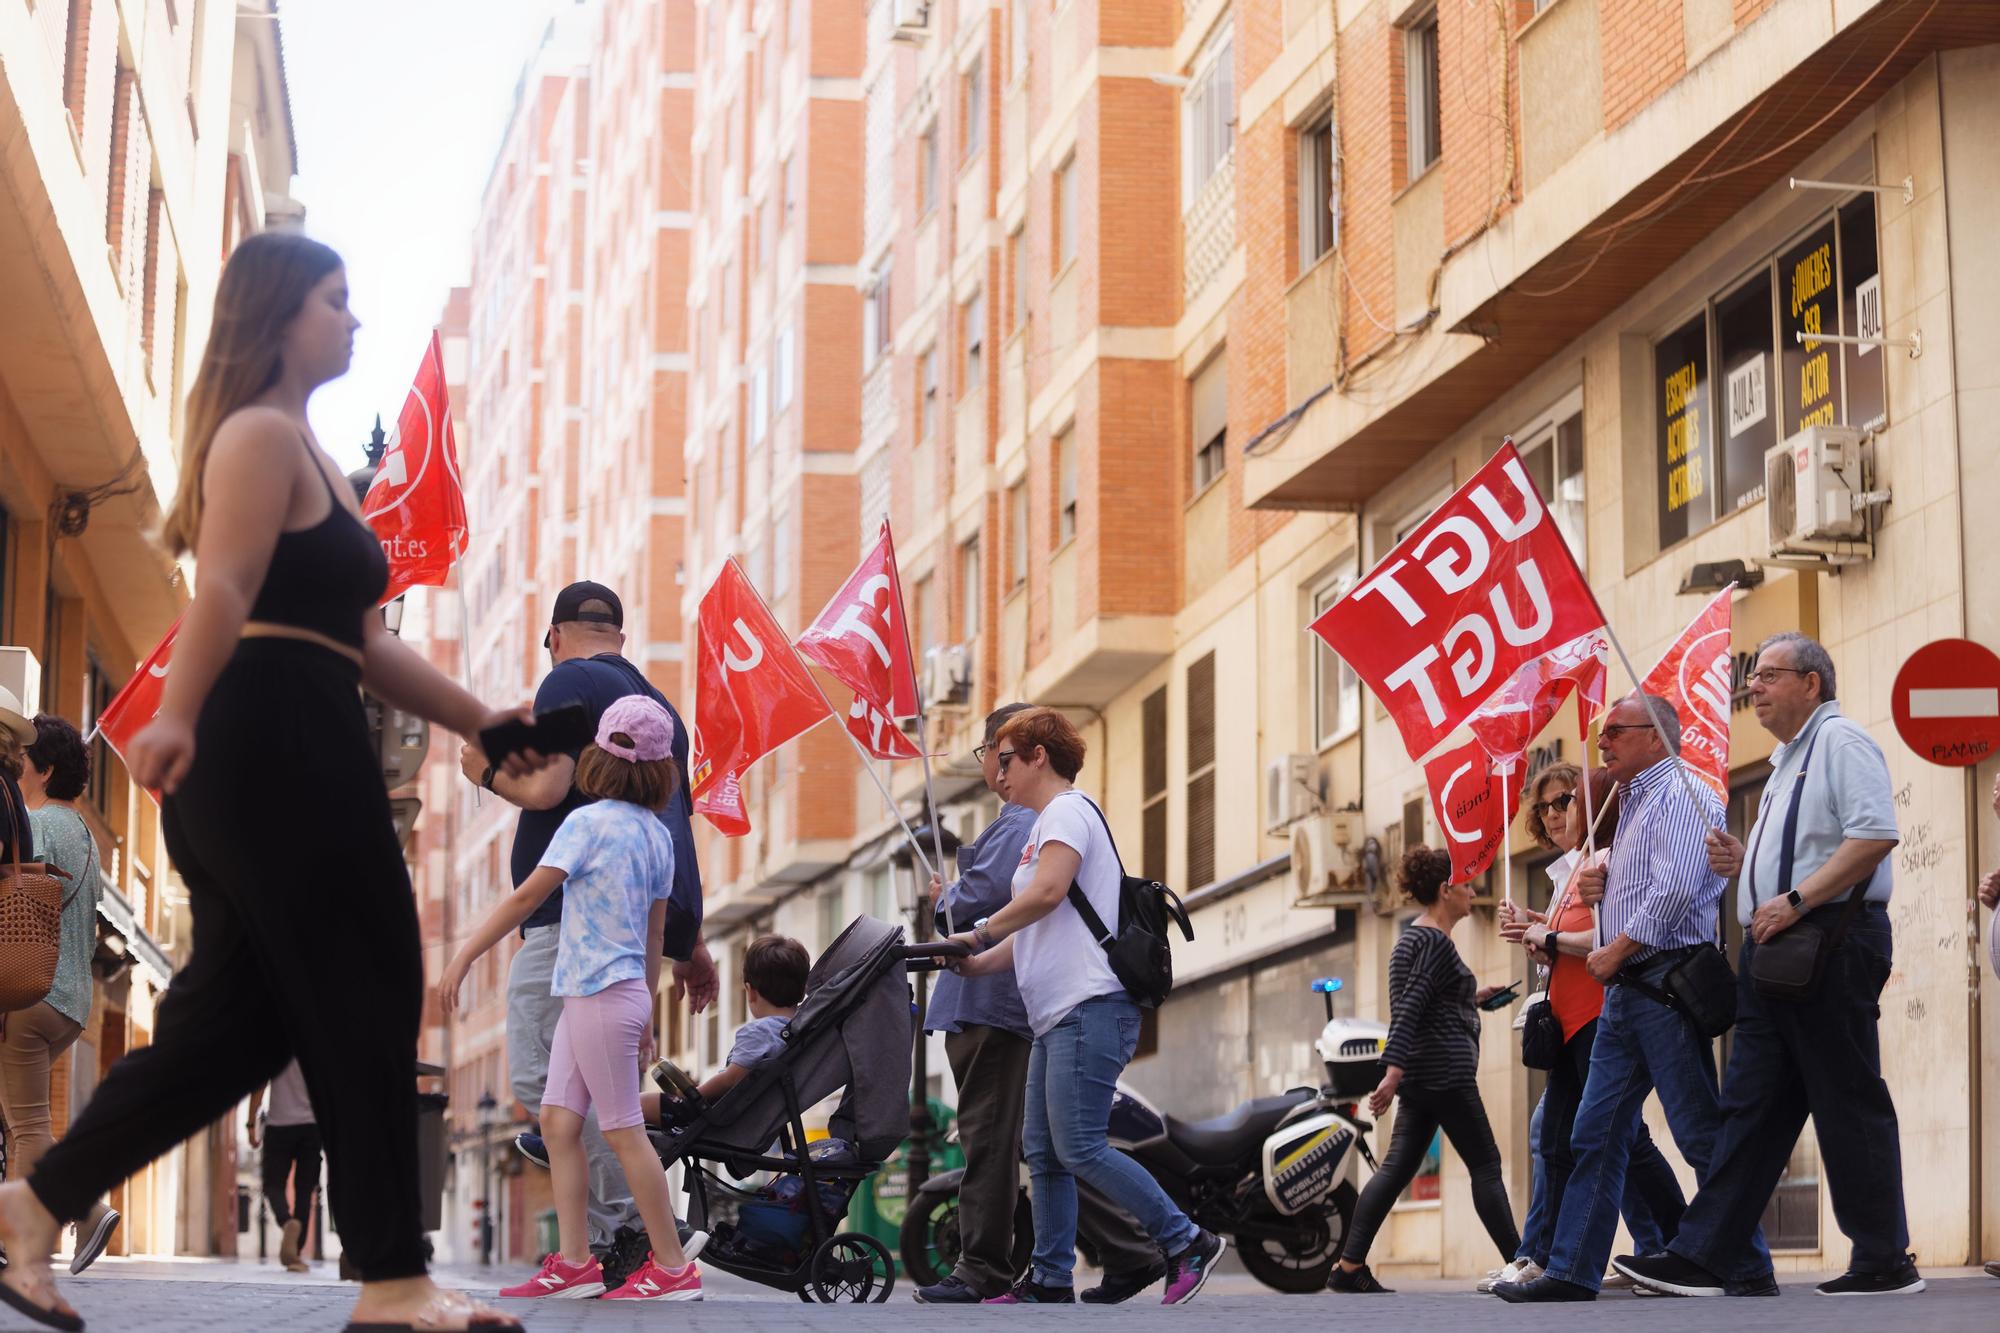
point(1829, 789)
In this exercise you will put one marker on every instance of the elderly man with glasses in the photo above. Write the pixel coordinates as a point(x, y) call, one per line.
point(1659, 897)
point(1823, 835)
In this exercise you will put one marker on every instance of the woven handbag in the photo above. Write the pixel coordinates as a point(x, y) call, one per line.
point(31, 908)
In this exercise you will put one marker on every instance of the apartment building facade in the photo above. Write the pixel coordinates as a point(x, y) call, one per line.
point(141, 141)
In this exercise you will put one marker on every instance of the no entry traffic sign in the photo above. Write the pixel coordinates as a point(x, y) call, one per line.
point(1947, 702)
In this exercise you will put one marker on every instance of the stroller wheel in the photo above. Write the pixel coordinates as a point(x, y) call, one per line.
point(852, 1267)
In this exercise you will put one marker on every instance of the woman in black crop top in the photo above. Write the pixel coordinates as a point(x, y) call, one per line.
point(305, 942)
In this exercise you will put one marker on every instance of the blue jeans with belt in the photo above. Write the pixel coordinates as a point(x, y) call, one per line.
point(1642, 1046)
point(1793, 1058)
point(1073, 1072)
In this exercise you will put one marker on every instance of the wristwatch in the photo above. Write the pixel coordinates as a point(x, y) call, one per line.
point(979, 933)
point(1798, 903)
point(486, 780)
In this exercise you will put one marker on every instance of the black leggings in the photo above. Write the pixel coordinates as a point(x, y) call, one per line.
point(305, 945)
point(1420, 1114)
point(287, 1147)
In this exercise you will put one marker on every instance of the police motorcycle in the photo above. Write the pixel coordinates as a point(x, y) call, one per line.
point(1277, 1175)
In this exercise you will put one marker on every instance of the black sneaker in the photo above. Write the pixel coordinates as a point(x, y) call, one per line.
point(1029, 1292)
point(951, 1291)
point(1357, 1282)
point(624, 1256)
point(1188, 1272)
point(1543, 1290)
point(1992, 1267)
point(1117, 1288)
point(1669, 1274)
point(1903, 1281)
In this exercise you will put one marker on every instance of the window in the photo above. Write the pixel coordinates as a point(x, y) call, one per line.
point(1680, 372)
point(1153, 785)
point(930, 624)
point(760, 403)
point(975, 107)
point(1017, 534)
point(1017, 38)
point(1316, 194)
point(832, 911)
point(879, 330)
point(788, 189)
point(1336, 689)
point(1743, 370)
point(1201, 772)
point(783, 356)
point(1065, 487)
point(880, 891)
point(927, 171)
point(1209, 413)
point(98, 692)
point(1420, 93)
point(1017, 262)
point(1065, 213)
point(972, 338)
point(1208, 112)
point(968, 588)
point(927, 388)
point(1552, 451)
point(782, 554)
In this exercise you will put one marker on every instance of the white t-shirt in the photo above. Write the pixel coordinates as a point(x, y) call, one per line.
point(1056, 961)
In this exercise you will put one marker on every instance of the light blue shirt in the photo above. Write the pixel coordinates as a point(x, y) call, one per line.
point(1845, 794)
point(1660, 892)
point(620, 860)
point(758, 1040)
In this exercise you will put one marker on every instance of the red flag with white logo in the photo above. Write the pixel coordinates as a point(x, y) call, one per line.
point(1484, 585)
point(1509, 721)
point(139, 702)
point(1694, 677)
point(1474, 805)
point(862, 638)
point(752, 694)
point(416, 504)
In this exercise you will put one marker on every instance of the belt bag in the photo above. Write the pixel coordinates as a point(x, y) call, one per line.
point(1700, 985)
point(1791, 964)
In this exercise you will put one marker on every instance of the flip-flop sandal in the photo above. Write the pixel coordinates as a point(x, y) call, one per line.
point(59, 1317)
point(446, 1311)
point(87, 1251)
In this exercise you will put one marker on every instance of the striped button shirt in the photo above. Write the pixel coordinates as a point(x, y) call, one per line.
point(1660, 892)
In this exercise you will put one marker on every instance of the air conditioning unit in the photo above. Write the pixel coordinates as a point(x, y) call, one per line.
point(913, 20)
point(1816, 497)
point(947, 677)
point(1291, 791)
point(1326, 860)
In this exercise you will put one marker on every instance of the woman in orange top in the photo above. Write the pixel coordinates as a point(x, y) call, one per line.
point(1561, 938)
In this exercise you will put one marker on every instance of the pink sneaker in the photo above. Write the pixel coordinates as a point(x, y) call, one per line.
point(561, 1279)
point(650, 1282)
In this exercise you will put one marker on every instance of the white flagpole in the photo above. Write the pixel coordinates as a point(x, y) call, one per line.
point(930, 798)
point(1506, 840)
point(1589, 815)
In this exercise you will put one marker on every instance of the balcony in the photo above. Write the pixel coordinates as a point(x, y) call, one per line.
point(1594, 231)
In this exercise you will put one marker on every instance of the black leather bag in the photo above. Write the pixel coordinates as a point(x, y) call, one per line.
point(1792, 964)
point(1541, 1033)
point(1702, 986)
point(1138, 951)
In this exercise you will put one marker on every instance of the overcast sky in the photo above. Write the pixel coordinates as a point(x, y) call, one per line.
point(398, 107)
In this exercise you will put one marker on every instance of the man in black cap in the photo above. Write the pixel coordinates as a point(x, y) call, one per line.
point(586, 633)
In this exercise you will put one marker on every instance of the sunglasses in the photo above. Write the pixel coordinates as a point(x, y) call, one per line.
point(1608, 732)
point(1556, 803)
point(1006, 757)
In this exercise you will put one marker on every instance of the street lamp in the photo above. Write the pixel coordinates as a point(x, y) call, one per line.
point(488, 1118)
point(926, 910)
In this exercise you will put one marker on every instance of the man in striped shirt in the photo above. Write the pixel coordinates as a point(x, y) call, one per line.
point(1659, 900)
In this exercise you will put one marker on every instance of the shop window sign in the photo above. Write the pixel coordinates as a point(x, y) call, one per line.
point(1743, 344)
point(1808, 305)
point(1680, 365)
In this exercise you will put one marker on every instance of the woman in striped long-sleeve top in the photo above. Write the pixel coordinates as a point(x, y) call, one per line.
point(1430, 1065)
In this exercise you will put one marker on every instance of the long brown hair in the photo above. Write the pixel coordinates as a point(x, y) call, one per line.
point(264, 286)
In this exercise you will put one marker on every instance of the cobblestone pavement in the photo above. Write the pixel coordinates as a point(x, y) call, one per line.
point(210, 1297)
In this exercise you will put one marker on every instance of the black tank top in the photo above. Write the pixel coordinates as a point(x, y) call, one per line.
point(326, 577)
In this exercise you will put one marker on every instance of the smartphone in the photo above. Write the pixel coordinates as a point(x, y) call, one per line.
point(555, 732)
point(1501, 999)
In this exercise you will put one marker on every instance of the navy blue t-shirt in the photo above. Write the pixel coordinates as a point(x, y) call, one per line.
point(597, 683)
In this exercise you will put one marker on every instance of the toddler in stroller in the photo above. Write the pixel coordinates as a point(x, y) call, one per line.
point(850, 1035)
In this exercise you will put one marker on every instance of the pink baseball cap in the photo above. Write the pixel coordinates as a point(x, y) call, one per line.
point(636, 728)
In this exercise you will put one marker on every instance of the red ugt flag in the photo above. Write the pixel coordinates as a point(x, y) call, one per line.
point(1484, 585)
point(139, 702)
point(416, 504)
point(1513, 717)
point(1694, 678)
point(752, 694)
point(1474, 806)
point(862, 637)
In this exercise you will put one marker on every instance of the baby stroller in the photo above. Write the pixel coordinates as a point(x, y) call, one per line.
point(852, 1032)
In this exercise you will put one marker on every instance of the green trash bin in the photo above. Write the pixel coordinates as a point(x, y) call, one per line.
point(548, 1238)
point(882, 1199)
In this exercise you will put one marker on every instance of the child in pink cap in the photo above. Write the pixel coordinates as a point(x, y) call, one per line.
point(614, 862)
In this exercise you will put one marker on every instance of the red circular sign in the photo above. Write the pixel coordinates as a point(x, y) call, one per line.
point(1947, 702)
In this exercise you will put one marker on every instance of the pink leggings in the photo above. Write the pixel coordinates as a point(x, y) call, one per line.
point(595, 1056)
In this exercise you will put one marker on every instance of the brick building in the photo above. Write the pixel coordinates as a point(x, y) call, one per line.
point(141, 141)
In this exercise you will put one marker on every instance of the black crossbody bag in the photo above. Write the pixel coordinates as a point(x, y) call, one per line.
point(1138, 951)
point(1792, 964)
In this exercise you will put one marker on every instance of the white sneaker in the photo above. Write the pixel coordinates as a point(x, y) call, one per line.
point(1519, 1270)
point(1617, 1281)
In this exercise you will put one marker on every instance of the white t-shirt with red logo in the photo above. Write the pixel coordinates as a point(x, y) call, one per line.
point(1056, 961)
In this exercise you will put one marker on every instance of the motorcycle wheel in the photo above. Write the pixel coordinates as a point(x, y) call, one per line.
point(929, 1241)
point(1301, 1263)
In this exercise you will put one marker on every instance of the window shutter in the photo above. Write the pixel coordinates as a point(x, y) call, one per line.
point(1153, 776)
point(1201, 772)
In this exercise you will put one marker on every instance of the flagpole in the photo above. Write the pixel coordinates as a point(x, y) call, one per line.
point(1589, 815)
point(1638, 687)
point(1506, 841)
point(930, 798)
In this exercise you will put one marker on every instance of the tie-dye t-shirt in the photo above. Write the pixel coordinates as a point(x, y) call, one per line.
point(620, 861)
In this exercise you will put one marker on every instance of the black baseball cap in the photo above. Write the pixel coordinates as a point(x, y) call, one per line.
point(570, 603)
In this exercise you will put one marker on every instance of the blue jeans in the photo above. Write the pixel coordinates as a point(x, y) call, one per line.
point(1640, 1219)
point(1793, 1057)
point(1641, 1046)
point(1073, 1072)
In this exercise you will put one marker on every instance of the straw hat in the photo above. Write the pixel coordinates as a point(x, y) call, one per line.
point(13, 720)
